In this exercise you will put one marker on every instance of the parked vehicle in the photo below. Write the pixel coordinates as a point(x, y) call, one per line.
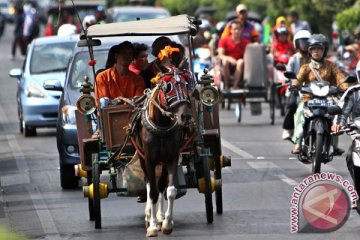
point(7, 10)
point(132, 13)
point(45, 63)
point(316, 140)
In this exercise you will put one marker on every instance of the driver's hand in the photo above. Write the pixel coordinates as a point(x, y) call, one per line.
point(335, 128)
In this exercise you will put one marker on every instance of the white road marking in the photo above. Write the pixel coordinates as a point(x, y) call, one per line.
point(262, 165)
point(287, 180)
point(235, 149)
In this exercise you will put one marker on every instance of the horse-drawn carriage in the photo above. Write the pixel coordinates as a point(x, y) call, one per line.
point(257, 87)
point(175, 124)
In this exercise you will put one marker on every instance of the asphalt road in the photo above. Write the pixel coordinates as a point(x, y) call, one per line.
point(257, 189)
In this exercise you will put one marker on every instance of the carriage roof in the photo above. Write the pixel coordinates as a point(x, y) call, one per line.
point(181, 24)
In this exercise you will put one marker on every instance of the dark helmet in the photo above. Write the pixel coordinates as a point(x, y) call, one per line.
point(319, 40)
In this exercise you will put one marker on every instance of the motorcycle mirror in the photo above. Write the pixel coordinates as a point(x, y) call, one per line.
point(334, 110)
point(290, 75)
point(280, 67)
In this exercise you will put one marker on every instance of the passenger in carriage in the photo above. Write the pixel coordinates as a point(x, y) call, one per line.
point(154, 67)
point(140, 61)
point(231, 52)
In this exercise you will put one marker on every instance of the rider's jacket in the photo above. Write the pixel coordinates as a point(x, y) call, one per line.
point(328, 71)
point(351, 105)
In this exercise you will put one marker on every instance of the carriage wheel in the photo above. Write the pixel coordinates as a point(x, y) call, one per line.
point(218, 191)
point(90, 201)
point(208, 194)
point(96, 194)
point(238, 111)
point(229, 103)
point(272, 104)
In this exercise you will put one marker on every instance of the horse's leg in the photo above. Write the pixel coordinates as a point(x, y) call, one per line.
point(168, 223)
point(160, 215)
point(148, 206)
point(152, 230)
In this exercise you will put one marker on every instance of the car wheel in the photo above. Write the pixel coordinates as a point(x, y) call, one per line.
point(68, 179)
point(28, 131)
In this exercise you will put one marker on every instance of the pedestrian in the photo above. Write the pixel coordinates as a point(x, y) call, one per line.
point(297, 24)
point(18, 41)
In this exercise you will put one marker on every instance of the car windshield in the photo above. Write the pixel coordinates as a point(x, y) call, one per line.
point(51, 57)
point(80, 68)
point(125, 17)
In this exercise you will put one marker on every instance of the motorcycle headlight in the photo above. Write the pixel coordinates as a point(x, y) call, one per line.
point(35, 91)
point(209, 96)
point(319, 91)
point(68, 114)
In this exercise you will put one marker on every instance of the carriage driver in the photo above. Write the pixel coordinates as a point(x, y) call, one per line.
point(231, 52)
point(118, 80)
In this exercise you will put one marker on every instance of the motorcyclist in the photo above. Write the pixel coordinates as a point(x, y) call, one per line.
point(319, 69)
point(300, 58)
point(282, 48)
point(351, 108)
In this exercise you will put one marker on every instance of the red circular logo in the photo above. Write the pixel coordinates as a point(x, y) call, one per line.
point(325, 206)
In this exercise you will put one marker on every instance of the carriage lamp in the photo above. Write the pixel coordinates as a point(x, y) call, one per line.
point(86, 104)
point(209, 95)
point(89, 191)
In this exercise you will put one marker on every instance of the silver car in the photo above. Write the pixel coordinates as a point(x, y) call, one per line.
point(45, 63)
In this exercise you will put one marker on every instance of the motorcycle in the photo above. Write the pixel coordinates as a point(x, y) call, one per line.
point(316, 139)
point(282, 92)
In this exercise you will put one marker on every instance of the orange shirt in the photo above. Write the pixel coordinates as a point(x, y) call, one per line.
point(110, 84)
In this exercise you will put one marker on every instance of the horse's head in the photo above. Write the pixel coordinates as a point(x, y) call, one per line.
point(174, 96)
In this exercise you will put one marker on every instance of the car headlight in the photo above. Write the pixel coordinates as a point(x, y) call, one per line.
point(35, 91)
point(68, 114)
point(319, 91)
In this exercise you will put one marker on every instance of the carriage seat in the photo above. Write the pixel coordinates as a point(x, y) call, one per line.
point(255, 68)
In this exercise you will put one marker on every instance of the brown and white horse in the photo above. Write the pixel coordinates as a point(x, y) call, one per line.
point(164, 124)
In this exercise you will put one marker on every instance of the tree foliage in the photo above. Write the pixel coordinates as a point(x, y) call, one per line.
point(349, 19)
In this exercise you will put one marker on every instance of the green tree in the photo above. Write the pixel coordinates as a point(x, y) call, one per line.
point(349, 19)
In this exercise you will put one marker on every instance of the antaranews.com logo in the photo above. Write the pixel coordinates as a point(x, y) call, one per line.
point(321, 203)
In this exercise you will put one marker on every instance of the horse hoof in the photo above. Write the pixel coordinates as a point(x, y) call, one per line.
point(166, 231)
point(152, 233)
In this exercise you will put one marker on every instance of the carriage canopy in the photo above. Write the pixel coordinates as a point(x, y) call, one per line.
point(181, 24)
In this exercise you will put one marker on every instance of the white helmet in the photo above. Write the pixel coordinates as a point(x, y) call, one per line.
point(301, 34)
point(358, 71)
point(88, 21)
point(66, 29)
